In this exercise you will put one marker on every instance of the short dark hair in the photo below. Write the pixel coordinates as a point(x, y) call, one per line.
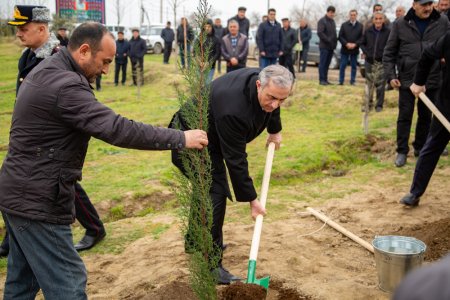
point(285, 19)
point(242, 8)
point(90, 33)
point(120, 32)
point(378, 4)
point(271, 9)
point(331, 8)
point(168, 23)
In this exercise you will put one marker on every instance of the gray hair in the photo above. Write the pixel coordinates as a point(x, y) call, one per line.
point(278, 75)
point(233, 21)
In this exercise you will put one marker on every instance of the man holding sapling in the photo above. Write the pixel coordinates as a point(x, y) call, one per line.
point(242, 104)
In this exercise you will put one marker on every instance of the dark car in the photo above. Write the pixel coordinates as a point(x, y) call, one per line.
point(314, 52)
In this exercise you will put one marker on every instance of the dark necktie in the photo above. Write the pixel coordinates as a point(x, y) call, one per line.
point(30, 57)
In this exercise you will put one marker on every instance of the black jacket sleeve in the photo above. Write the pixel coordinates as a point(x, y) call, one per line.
point(429, 55)
point(390, 54)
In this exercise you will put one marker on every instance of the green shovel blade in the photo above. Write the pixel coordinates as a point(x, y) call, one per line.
point(251, 276)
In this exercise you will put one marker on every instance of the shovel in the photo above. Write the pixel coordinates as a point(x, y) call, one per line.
point(251, 273)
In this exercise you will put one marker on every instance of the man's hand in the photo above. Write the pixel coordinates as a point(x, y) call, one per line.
point(417, 89)
point(395, 83)
point(275, 138)
point(262, 53)
point(233, 61)
point(196, 139)
point(280, 53)
point(257, 209)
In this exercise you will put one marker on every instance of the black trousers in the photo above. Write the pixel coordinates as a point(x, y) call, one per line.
point(137, 70)
point(406, 101)
point(429, 156)
point(85, 213)
point(120, 67)
point(286, 61)
point(167, 51)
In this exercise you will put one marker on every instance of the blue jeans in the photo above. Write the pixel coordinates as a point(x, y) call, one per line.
point(267, 61)
point(182, 55)
point(325, 59)
point(353, 63)
point(42, 256)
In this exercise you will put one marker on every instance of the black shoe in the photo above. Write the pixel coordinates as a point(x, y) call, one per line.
point(4, 252)
point(379, 109)
point(341, 83)
point(223, 276)
point(89, 241)
point(323, 83)
point(445, 152)
point(400, 161)
point(352, 83)
point(410, 200)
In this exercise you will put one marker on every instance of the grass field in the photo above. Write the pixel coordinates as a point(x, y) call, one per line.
point(322, 140)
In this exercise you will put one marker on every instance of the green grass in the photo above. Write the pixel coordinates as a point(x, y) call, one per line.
point(322, 142)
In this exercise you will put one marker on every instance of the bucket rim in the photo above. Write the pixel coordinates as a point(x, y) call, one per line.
point(421, 244)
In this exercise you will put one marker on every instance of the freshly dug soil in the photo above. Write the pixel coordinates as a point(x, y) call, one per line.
point(436, 235)
point(244, 291)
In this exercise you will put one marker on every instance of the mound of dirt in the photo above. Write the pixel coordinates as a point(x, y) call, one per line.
point(436, 235)
point(172, 291)
point(243, 291)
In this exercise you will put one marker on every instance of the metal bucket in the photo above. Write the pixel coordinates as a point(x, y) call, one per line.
point(394, 257)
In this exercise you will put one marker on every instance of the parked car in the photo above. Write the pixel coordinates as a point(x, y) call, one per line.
point(253, 51)
point(152, 36)
point(114, 29)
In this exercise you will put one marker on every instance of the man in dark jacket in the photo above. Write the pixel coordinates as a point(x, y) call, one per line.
point(122, 52)
point(55, 115)
point(373, 43)
point(326, 30)
point(242, 104)
point(439, 136)
point(304, 35)
point(168, 35)
point(185, 42)
point(244, 23)
point(212, 44)
point(350, 37)
point(138, 48)
point(62, 36)
point(289, 41)
point(421, 26)
point(40, 45)
point(270, 40)
point(234, 47)
point(219, 32)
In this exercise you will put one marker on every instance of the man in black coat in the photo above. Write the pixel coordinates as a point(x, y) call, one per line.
point(55, 115)
point(270, 40)
point(121, 59)
point(421, 27)
point(185, 42)
point(350, 37)
point(439, 136)
point(242, 104)
point(62, 36)
point(289, 41)
point(168, 35)
point(244, 23)
point(373, 43)
point(213, 45)
point(219, 32)
point(326, 30)
point(138, 48)
point(304, 35)
point(41, 44)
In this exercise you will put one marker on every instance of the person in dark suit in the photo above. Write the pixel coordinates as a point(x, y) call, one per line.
point(438, 136)
point(270, 40)
point(62, 36)
point(326, 30)
point(168, 35)
point(54, 117)
point(41, 44)
point(121, 59)
point(242, 104)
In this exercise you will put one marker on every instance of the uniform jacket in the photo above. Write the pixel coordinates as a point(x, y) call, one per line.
point(350, 34)
point(289, 40)
point(432, 54)
point(235, 119)
point(270, 39)
point(168, 35)
point(305, 35)
point(244, 24)
point(405, 45)
point(55, 115)
point(46, 50)
point(373, 43)
point(138, 47)
point(122, 47)
point(240, 51)
point(326, 30)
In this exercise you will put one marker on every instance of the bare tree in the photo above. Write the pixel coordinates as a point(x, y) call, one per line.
point(255, 18)
point(174, 5)
point(120, 9)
